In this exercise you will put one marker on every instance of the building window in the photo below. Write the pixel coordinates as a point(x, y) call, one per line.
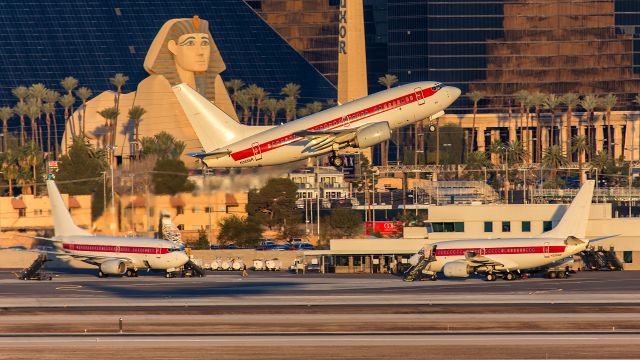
point(627, 257)
point(488, 226)
point(207, 209)
point(342, 261)
point(179, 210)
point(22, 212)
point(448, 226)
point(194, 210)
point(526, 226)
point(181, 227)
point(506, 226)
point(547, 225)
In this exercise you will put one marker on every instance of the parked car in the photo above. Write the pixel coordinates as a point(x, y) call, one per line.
point(302, 246)
point(283, 247)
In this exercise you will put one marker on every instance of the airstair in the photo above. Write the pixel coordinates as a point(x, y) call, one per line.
point(601, 260)
point(191, 269)
point(416, 272)
point(35, 271)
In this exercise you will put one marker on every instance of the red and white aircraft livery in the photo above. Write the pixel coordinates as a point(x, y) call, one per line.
point(507, 257)
point(361, 123)
point(113, 255)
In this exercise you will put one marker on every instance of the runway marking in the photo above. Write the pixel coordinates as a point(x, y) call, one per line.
point(76, 288)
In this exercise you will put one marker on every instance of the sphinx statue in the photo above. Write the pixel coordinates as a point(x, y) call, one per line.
point(183, 51)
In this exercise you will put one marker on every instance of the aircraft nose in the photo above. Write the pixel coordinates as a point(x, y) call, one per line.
point(453, 92)
point(184, 258)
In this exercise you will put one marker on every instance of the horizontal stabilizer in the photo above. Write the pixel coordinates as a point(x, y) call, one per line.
point(211, 154)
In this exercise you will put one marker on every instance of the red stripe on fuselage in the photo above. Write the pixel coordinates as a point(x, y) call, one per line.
point(115, 249)
point(519, 250)
point(337, 122)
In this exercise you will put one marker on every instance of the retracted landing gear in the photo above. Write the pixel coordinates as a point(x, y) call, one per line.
point(336, 160)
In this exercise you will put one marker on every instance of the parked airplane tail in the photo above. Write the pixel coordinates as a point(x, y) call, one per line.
point(63, 224)
point(574, 221)
point(214, 128)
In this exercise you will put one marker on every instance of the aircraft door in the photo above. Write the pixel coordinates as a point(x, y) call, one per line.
point(482, 252)
point(546, 249)
point(419, 97)
point(257, 154)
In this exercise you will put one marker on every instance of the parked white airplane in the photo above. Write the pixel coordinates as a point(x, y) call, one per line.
point(492, 257)
point(113, 255)
point(361, 123)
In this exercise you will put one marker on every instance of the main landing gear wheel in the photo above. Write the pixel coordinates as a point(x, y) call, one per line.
point(168, 275)
point(433, 277)
point(336, 160)
point(132, 273)
point(101, 274)
point(509, 276)
point(490, 277)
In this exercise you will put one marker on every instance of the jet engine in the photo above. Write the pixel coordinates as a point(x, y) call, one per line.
point(113, 267)
point(456, 269)
point(373, 134)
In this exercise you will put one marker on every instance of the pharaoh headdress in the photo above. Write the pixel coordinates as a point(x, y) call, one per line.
point(159, 59)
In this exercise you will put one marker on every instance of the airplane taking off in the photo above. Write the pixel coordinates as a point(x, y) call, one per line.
point(361, 123)
point(507, 257)
point(113, 255)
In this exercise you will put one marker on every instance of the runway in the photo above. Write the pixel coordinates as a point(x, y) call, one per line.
point(323, 347)
point(84, 289)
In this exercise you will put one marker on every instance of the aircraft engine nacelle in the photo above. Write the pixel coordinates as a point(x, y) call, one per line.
point(456, 269)
point(372, 134)
point(113, 267)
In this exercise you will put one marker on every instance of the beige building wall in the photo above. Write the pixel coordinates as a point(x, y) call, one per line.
point(29, 212)
point(190, 212)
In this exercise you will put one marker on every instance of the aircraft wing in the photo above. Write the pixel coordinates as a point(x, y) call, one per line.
point(323, 139)
point(476, 260)
point(218, 153)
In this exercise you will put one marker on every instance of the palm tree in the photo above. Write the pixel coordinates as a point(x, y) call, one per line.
point(637, 99)
point(292, 91)
point(551, 103)
point(244, 100)
point(600, 161)
point(234, 86)
point(259, 94)
point(84, 93)
point(608, 102)
point(571, 100)
point(476, 162)
point(110, 115)
point(537, 100)
point(66, 101)
point(136, 113)
point(51, 97)
point(589, 103)
point(388, 80)
point(288, 104)
point(68, 84)
point(21, 92)
point(579, 145)
point(10, 169)
point(475, 96)
point(29, 158)
point(521, 98)
point(271, 108)
point(6, 113)
point(49, 109)
point(33, 112)
point(518, 154)
point(119, 80)
point(553, 158)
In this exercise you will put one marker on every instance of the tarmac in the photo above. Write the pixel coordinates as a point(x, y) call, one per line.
point(278, 315)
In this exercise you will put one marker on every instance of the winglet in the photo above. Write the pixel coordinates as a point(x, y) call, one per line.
point(63, 224)
point(575, 219)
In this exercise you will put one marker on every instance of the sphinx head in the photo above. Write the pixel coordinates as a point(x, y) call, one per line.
point(185, 47)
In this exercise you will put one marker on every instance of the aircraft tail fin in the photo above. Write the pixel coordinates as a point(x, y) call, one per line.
point(63, 224)
point(574, 221)
point(214, 128)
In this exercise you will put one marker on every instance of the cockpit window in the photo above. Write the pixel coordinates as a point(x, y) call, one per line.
point(437, 87)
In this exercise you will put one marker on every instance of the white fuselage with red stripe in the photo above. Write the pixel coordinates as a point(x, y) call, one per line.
point(398, 107)
point(519, 254)
point(143, 253)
